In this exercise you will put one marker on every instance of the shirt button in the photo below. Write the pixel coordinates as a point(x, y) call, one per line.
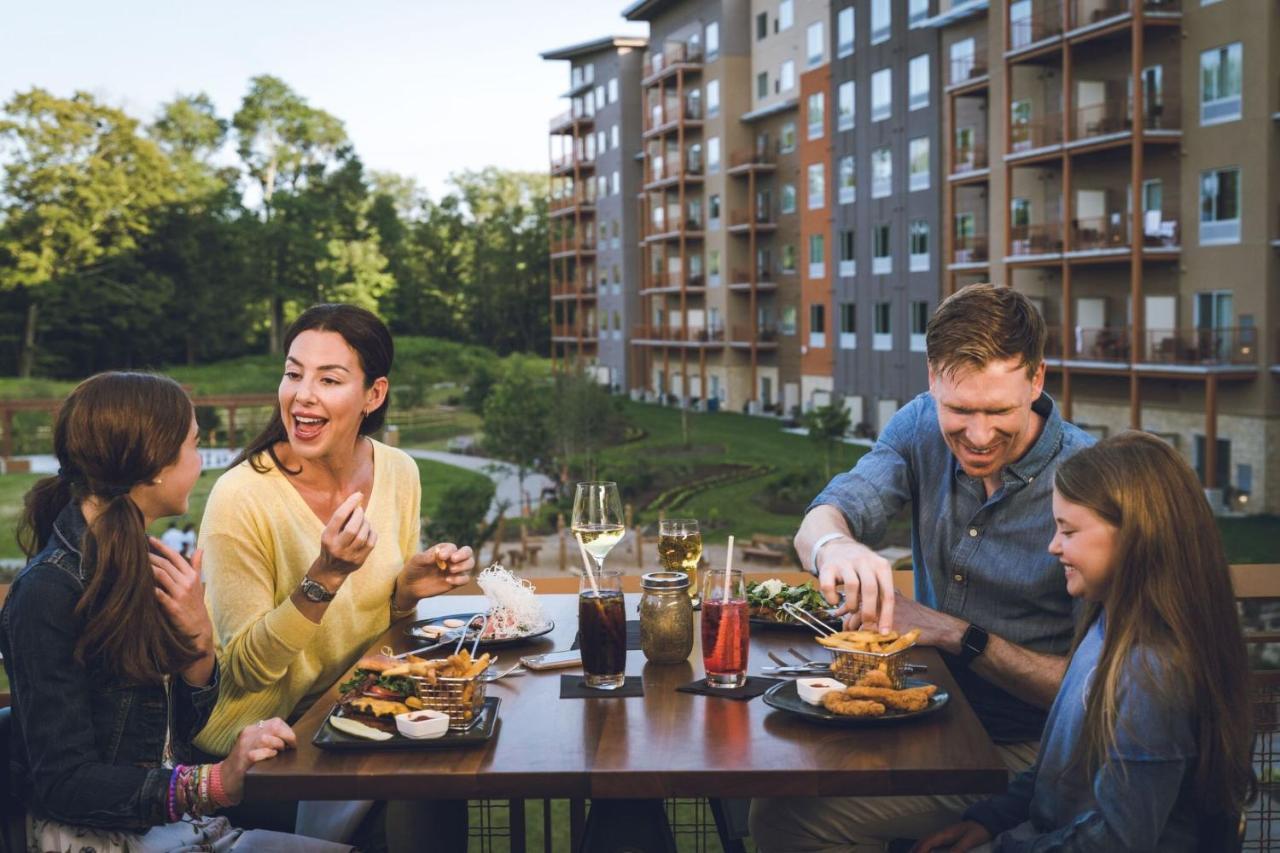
point(959, 578)
point(1029, 479)
point(973, 531)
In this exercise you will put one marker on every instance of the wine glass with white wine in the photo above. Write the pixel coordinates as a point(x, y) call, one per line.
point(597, 519)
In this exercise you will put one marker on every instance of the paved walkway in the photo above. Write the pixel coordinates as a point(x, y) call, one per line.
point(503, 474)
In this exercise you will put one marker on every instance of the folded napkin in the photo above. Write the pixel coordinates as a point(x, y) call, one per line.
point(754, 687)
point(633, 636)
point(575, 687)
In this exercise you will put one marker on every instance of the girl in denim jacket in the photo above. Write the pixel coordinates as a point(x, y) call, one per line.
point(106, 640)
point(1148, 744)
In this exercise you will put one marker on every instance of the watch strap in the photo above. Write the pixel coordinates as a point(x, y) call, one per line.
point(315, 591)
point(973, 643)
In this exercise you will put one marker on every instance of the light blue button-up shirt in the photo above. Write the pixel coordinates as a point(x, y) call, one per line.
point(980, 559)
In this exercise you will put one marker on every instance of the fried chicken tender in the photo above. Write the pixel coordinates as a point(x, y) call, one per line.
point(838, 703)
point(875, 678)
point(911, 699)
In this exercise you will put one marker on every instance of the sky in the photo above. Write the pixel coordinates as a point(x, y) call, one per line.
point(425, 88)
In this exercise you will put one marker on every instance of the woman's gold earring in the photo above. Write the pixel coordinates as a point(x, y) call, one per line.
point(157, 482)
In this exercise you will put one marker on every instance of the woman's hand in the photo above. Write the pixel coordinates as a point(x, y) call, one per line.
point(438, 569)
point(347, 541)
point(181, 597)
point(959, 837)
point(257, 742)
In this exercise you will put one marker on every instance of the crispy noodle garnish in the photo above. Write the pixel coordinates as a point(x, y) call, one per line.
point(513, 606)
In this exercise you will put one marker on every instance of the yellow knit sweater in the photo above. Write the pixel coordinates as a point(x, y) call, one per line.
point(259, 538)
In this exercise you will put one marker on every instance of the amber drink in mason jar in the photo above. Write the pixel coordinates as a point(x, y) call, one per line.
point(680, 549)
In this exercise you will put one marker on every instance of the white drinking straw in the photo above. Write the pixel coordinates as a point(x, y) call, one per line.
point(586, 564)
point(728, 569)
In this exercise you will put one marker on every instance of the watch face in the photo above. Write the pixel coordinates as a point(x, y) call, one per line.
point(314, 591)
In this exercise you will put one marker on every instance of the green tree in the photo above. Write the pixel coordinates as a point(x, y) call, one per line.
point(461, 518)
point(80, 185)
point(827, 426)
point(586, 419)
point(516, 416)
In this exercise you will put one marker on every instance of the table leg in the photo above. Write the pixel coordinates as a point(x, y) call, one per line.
point(731, 822)
point(634, 826)
point(577, 818)
point(515, 820)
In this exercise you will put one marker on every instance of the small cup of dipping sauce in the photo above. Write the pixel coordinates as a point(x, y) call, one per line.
point(423, 725)
point(812, 690)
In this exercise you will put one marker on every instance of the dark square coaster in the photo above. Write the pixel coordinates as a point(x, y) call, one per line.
point(575, 687)
point(755, 686)
point(633, 636)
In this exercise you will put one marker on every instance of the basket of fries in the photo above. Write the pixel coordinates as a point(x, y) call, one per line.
point(855, 653)
point(452, 686)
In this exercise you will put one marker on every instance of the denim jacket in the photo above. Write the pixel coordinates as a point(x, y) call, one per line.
point(85, 748)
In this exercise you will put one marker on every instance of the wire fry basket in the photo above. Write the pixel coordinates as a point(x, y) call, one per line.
point(849, 665)
point(461, 698)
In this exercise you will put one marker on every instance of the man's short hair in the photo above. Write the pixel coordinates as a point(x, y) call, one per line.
point(983, 323)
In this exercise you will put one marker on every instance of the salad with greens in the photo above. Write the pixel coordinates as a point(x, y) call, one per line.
point(765, 600)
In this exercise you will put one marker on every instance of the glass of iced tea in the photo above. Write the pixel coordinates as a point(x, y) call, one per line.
point(602, 630)
point(680, 549)
point(724, 628)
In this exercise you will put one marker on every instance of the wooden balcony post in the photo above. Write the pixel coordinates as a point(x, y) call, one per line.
point(1211, 431)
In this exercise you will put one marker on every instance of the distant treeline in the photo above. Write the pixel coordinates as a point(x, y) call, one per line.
point(125, 243)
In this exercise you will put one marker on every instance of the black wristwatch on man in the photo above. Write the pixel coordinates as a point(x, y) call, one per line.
point(973, 643)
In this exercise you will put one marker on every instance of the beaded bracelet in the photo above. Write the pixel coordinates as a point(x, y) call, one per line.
point(174, 814)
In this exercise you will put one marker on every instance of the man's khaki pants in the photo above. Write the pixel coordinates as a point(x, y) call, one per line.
point(831, 824)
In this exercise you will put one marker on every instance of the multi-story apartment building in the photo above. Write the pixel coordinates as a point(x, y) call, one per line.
point(885, 97)
point(1118, 161)
point(594, 225)
point(704, 335)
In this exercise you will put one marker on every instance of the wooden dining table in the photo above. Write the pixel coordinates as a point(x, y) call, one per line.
point(663, 744)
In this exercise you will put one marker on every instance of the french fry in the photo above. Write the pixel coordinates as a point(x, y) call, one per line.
point(905, 641)
point(477, 667)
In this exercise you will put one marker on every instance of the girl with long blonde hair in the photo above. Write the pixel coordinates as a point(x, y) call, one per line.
point(1148, 745)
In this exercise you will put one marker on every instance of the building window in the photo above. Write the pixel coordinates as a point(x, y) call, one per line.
point(1220, 206)
point(845, 106)
point(613, 90)
point(787, 138)
point(1021, 28)
point(713, 212)
point(917, 11)
point(919, 257)
point(918, 163)
point(848, 325)
point(713, 268)
point(713, 155)
point(713, 97)
point(787, 76)
point(788, 259)
point(816, 40)
point(963, 60)
point(786, 15)
point(713, 40)
point(1220, 80)
point(817, 325)
point(614, 136)
point(881, 250)
point(918, 82)
point(762, 26)
point(817, 186)
point(848, 262)
point(599, 98)
point(617, 182)
point(882, 334)
point(882, 94)
point(602, 187)
point(817, 256)
point(919, 323)
point(881, 172)
point(602, 142)
point(844, 32)
point(788, 198)
point(846, 180)
point(881, 20)
point(762, 84)
point(817, 107)
point(788, 324)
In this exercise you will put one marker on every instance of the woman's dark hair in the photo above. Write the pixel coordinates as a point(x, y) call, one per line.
point(1170, 596)
point(114, 431)
point(364, 333)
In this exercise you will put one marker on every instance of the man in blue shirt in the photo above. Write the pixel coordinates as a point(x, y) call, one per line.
point(975, 457)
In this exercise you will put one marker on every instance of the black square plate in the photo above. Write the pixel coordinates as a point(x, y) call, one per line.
point(330, 738)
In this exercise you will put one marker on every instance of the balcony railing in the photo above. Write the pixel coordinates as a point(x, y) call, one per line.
point(1045, 21)
point(962, 70)
point(679, 334)
point(764, 334)
point(569, 330)
point(741, 219)
point(1035, 133)
point(669, 112)
point(969, 159)
point(1039, 239)
point(763, 278)
point(750, 157)
point(666, 168)
point(1221, 346)
point(673, 53)
point(1102, 119)
point(1084, 13)
point(579, 199)
point(1101, 232)
point(970, 249)
point(571, 244)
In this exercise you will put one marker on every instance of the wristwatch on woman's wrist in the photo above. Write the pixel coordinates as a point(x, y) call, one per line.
point(315, 591)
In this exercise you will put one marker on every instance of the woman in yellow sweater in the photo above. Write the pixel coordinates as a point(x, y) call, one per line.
point(311, 538)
